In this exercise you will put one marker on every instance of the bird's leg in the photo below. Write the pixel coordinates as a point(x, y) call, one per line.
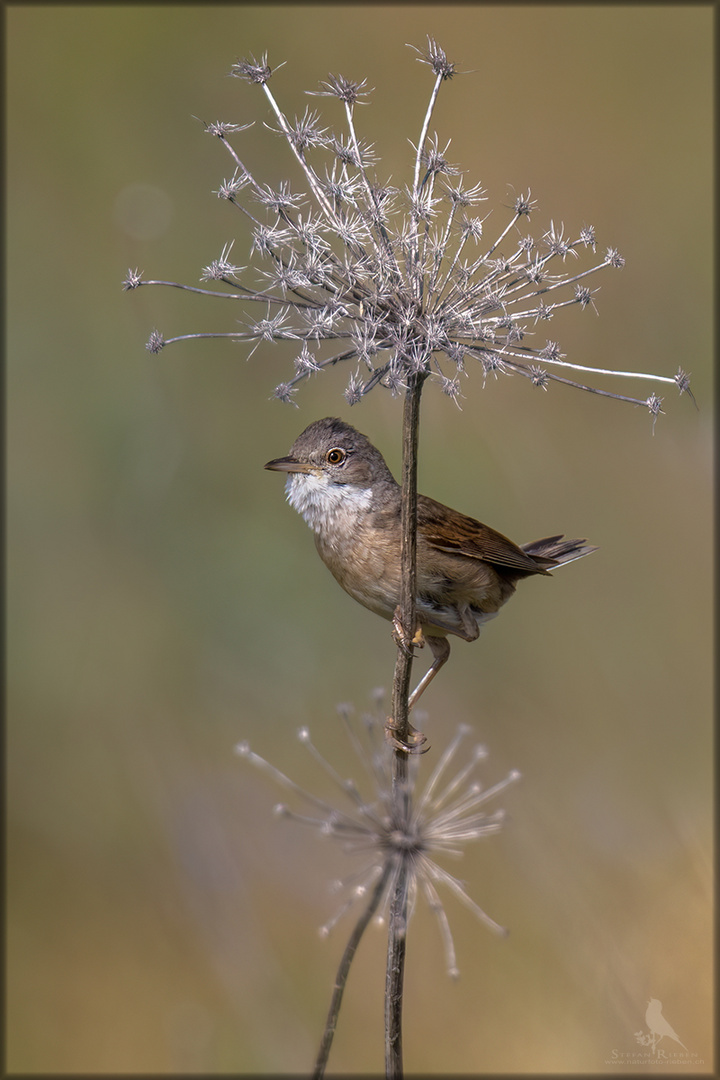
point(440, 648)
point(415, 738)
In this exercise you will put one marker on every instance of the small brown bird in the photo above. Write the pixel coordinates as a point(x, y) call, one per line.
point(466, 571)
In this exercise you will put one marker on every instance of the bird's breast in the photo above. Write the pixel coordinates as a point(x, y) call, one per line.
point(364, 560)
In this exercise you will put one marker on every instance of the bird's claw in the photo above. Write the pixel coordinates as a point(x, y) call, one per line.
point(413, 743)
point(400, 638)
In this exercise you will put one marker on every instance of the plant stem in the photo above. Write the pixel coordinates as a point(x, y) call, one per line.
point(395, 975)
point(408, 559)
point(344, 971)
point(397, 928)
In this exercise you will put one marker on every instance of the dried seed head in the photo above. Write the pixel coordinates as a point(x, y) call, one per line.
point(252, 70)
point(155, 342)
point(398, 280)
point(340, 87)
point(441, 815)
point(436, 59)
point(133, 279)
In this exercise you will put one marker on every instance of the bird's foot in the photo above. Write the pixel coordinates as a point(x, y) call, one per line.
point(413, 743)
point(399, 637)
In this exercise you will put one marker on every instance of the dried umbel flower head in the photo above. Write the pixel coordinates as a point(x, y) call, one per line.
point(397, 281)
point(399, 840)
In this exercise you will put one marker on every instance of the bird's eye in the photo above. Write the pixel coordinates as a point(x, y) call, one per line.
point(336, 456)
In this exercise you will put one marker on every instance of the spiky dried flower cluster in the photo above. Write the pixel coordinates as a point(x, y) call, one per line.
point(402, 281)
point(436, 819)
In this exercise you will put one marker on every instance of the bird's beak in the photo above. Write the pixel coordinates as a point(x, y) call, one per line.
point(290, 465)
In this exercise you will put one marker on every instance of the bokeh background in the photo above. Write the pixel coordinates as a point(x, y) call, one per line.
point(165, 603)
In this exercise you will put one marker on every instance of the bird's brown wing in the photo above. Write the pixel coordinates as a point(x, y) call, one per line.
point(455, 533)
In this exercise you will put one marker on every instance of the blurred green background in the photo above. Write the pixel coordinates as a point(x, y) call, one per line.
point(165, 603)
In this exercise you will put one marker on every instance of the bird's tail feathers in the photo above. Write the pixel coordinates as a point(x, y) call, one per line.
point(555, 550)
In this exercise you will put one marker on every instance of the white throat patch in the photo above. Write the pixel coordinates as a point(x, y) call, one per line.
point(324, 504)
